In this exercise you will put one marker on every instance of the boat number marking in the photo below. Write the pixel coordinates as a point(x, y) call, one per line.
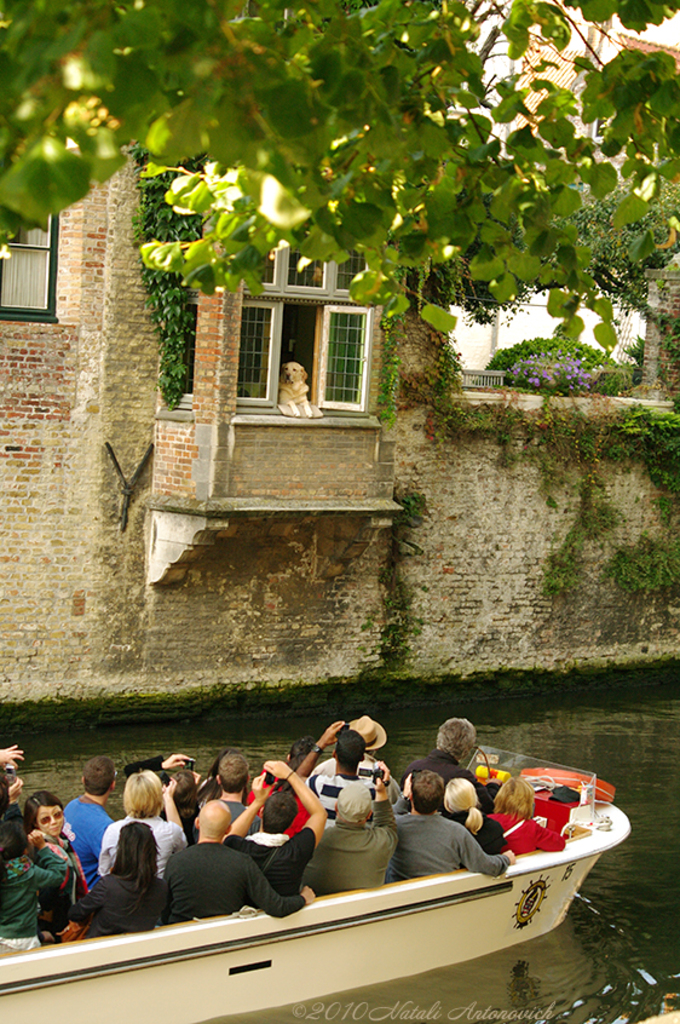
point(568, 870)
point(530, 902)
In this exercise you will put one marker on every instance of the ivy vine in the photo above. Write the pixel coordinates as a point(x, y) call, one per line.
point(172, 313)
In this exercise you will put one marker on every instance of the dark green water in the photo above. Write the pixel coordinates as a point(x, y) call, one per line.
point(617, 956)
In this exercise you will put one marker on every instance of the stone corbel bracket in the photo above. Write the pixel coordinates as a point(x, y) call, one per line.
point(176, 540)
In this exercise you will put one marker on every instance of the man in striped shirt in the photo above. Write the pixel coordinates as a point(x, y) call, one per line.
point(349, 751)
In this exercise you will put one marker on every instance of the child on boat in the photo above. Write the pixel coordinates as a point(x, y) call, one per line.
point(514, 809)
point(20, 880)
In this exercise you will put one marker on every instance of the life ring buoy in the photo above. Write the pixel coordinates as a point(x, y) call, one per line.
point(604, 791)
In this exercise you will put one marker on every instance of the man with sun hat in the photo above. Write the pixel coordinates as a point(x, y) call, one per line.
point(373, 735)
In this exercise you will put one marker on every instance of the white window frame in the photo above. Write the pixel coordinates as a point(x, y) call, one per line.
point(277, 293)
point(351, 310)
point(270, 401)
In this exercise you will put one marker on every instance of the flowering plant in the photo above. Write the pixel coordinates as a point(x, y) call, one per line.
point(553, 374)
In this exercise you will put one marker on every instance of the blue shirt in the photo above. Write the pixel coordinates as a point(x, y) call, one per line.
point(84, 824)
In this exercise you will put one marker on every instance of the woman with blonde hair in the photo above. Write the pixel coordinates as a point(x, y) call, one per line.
point(460, 804)
point(145, 800)
point(514, 809)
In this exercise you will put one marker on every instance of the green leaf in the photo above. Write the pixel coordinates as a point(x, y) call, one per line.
point(438, 318)
point(605, 335)
point(642, 246)
point(279, 206)
point(632, 208)
point(504, 289)
point(46, 180)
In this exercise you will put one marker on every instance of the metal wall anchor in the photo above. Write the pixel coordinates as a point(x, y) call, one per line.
point(127, 487)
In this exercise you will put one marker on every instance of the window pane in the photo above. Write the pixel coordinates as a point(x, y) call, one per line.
point(347, 270)
point(25, 278)
point(345, 357)
point(310, 277)
point(268, 272)
point(35, 236)
point(253, 363)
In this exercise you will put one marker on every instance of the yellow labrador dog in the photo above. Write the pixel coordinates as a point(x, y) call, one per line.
point(293, 389)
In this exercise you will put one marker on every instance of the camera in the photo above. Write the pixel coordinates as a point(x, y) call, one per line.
point(269, 779)
point(10, 772)
point(165, 778)
point(190, 763)
point(372, 773)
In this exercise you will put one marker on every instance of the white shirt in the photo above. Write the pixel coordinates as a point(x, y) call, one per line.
point(169, 839)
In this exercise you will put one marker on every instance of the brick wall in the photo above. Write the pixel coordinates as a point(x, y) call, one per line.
point(263, 600)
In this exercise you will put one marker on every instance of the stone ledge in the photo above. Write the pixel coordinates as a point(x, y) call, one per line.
point(217, 508)
point(585, 403)
point(288, 422)
point(181, 528)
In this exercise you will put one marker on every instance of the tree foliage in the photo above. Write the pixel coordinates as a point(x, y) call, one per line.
point(617, 273)
point(334, 128)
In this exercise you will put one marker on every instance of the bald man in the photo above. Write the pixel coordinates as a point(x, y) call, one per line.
point(209, 879)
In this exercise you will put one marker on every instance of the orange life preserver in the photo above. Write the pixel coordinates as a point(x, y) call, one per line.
point(604, 791)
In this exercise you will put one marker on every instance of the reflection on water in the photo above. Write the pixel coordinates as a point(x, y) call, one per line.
point(616, 958)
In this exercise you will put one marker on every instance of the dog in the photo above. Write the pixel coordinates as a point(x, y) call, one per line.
point(293, 390)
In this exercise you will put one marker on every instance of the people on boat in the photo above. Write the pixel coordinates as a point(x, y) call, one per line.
point(374, 737)
point(143, 799)
point(455, 741)
point(461, 804)
point(514, 811)
point(230, 784)
point(295, 758)
point(429, 844)
point(21, 878)
point(210, 879)
point(44, 811)
point(348, 754)
point(281, 858)
point(131, 897)
point(86, 817)
point(354, 852)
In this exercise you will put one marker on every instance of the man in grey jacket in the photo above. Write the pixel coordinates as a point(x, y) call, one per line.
point(354, 854)
point(432, 845)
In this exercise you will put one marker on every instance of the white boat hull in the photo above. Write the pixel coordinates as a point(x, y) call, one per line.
point(199, 971)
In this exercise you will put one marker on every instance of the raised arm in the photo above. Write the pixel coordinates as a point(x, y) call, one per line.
point(308, 799)
point(261, 793)
point(327, 739)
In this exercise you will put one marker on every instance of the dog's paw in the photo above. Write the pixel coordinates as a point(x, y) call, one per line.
point(289, 409)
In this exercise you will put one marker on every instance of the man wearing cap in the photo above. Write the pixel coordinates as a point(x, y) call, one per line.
point(354, 854)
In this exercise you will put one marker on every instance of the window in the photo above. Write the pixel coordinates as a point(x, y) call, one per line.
point(28, 277)
point(305, 315)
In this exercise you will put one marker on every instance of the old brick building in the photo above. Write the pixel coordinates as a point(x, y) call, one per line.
point(257, 552)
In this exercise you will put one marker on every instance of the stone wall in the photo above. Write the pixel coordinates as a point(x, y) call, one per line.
point(265, 600)
point(486, 535)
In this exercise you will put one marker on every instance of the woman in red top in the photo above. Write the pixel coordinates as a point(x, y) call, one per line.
point(514, 809)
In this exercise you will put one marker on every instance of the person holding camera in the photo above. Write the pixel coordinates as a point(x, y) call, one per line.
point(281, 858)
point(350, 748)
point(354, 853)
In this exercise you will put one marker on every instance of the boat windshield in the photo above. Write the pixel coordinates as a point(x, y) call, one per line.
point(495, 764)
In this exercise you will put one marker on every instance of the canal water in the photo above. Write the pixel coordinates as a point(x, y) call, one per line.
point(616, 957)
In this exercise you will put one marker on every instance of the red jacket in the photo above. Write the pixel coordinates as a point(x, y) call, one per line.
point(528, 835)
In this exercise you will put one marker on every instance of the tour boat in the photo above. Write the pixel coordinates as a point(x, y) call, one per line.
point(204, 970)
